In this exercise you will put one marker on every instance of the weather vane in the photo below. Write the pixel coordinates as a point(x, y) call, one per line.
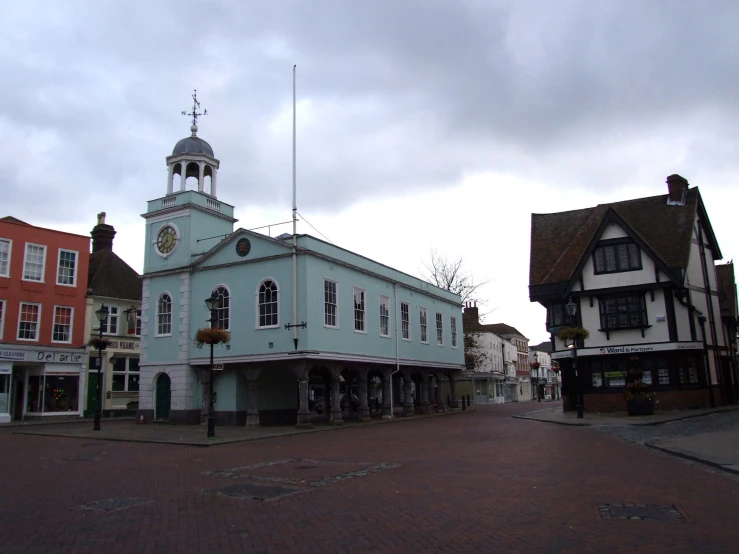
point(195, 107)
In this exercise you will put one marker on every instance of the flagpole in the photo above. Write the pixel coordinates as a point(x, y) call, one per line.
point(295, 219)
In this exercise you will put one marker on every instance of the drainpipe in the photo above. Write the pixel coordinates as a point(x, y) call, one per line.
point(397, 346)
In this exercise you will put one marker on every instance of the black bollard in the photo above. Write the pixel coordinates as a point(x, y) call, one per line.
point(468, 400)
point(448, 400)
point(464, 406)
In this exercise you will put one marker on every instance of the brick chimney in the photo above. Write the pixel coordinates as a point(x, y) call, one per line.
point(470, 313)
point(677, 188)
point(102, 235)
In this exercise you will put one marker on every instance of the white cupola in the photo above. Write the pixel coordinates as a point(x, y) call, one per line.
point(193, 157)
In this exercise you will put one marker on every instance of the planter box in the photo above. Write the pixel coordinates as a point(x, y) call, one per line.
point(638, 406)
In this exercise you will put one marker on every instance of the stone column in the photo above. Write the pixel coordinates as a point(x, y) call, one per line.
point(453, 392)
point(364, 413)
point(170, 178)
point(213, 181)
point(441, 402)
point(430, 389)
point(303, 411)
point(424, 394)
point(407, 399)
point(252, 410)
point(387, 409)
point(183, 175)
point(201, 177)
point(336, 417)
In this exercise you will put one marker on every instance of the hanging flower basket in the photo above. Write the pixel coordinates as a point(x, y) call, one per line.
point(98, 344)
point(578, 334)
point(535, 365)
point(210, 335)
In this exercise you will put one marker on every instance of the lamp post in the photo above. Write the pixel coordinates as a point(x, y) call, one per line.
point(212, 304)
point(571, 308)
point(535, 377)
point(102, 315)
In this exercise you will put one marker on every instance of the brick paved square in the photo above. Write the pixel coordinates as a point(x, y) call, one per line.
point(478, 481)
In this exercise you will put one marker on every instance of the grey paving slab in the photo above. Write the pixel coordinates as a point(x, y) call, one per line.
point(718, 448)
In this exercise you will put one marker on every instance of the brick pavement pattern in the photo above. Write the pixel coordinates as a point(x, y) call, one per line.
point(475, 482)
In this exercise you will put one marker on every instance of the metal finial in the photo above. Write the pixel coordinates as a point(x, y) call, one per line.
point(194, 114)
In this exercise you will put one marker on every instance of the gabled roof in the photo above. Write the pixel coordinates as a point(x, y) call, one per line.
point(726, 290)
point(110, 276)
point(545, 346)
point(11, 219)
point(561, 241)
point(501, 329)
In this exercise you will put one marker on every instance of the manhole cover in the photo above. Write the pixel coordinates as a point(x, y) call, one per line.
point(112, 504)
point(254, 491)
point(641, 511)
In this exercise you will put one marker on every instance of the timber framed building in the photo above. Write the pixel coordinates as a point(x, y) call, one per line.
point(642, 275)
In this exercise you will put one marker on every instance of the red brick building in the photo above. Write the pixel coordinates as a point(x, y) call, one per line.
point(43, 283)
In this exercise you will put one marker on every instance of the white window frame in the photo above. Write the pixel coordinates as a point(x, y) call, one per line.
point(126, 373)
point(71, 324)
point(257, 304)
point(423, 324)
point(220, 310)
point(38, 321)
point(335, 305)
point(9, 242)
point(107, 330)
point(439, 329)
point(43, 263)
point(453, 327)
point(385, 301)
point(159, 315)
point(76, 266)
point(3, 309)
point(363, 296)
point(405, 324)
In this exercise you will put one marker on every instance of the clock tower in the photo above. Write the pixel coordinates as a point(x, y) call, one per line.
point(189, 220)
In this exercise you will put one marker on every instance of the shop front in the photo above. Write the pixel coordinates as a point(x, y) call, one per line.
point(36, 383)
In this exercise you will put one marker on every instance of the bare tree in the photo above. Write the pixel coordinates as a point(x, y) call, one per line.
point(450, 275)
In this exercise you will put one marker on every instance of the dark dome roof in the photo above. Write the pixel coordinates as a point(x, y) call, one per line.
point(192, 145)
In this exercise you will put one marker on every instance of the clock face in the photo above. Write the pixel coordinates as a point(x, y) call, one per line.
point(166, 239)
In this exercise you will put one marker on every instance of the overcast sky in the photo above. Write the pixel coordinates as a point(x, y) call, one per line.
point(421, 124)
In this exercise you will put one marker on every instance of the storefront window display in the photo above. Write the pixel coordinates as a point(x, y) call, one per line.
point(4, 393)
point(52, 393)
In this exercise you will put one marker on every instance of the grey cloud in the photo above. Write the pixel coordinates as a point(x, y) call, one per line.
point(412, 95)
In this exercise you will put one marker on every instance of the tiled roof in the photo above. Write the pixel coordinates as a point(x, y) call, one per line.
point(560, 240)
point(11, 219)
point(545, 346)
point(726, 290)
point(110, 276)
point(501, 329)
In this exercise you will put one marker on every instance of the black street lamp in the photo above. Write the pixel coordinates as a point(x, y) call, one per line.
point(535, 378)
point(571, 308)
point(102, 315)
point(212, 304)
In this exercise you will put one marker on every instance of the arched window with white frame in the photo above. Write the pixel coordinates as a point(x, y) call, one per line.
point(223, 310)
point(268, 304)
point(164, 314)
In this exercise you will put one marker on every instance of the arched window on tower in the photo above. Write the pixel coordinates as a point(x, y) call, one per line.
point(208, 180)
point(192, 175)
point(164, 315)
point(176, 178)
point(224, 307)
point(268, 304)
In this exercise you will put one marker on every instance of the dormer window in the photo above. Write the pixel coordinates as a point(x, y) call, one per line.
point(615, 256)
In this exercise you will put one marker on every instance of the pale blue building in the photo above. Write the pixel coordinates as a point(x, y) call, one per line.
point(366, 325)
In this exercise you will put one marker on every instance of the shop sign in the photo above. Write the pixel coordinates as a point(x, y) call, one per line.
point(615, 374)
point(5, 369)
point(123, 345)
point(632, 349)
point(12, 354)
point(59, 357)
